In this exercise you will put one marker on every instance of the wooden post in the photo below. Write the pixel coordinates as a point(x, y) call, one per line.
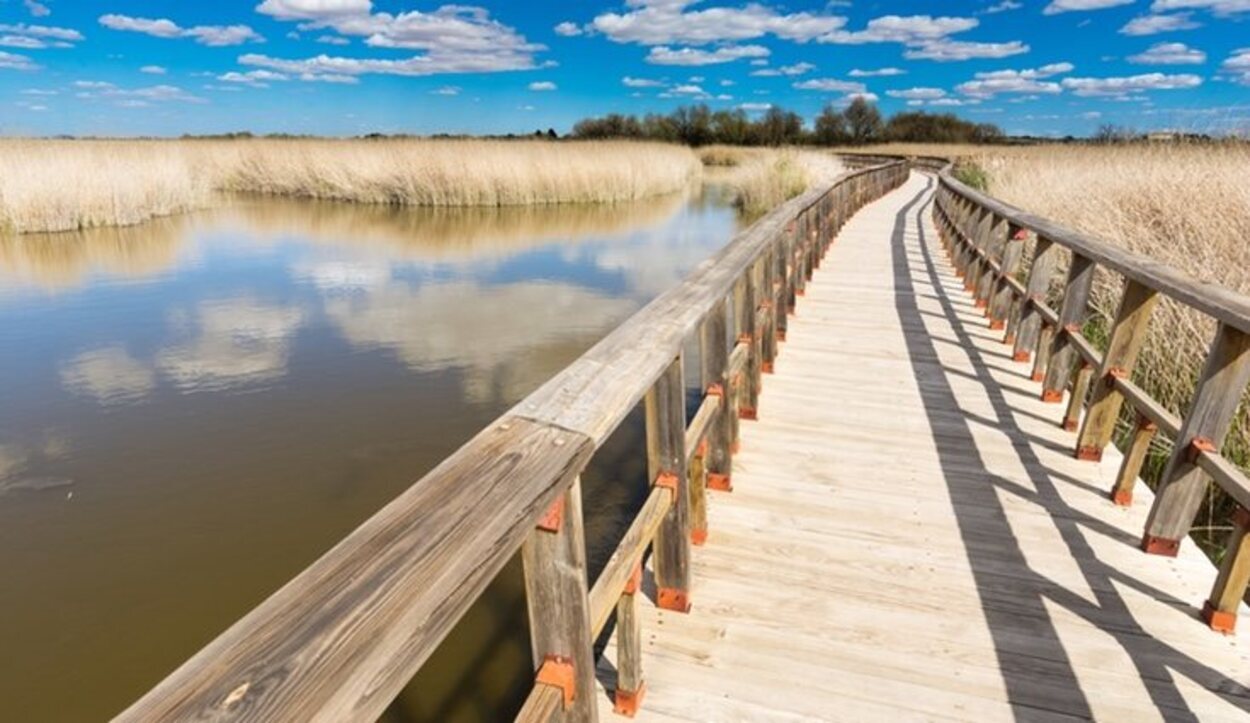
point(1044, 344)
point(554, 558)
point(1183, 484)
point(1045, 254)
point(976, 236)
point(768, 296)
point(1001, 305)
point(1080, 388)
point(746, 307)
point(995, 244)
point(666, 464)
point(1071, 316)
point(714, 358)
point(629, 682)
point(1127, 336)
point(1220, 609)
point(696, 473)
point(1134, 458)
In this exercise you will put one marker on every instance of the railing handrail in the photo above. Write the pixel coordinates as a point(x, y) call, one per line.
point(341, 639)
point(984, 237)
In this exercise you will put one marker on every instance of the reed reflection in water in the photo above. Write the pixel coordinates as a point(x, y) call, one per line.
point(193, 410)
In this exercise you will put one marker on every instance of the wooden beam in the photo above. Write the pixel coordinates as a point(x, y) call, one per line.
point(554, 558)
point(1071, 316)
point(1076, 402)
point(1045, 257)
point(629, 680)
point(1002, 302)
point(1215, 401)
point(1134, 457)
point(342, 638)
point(542, 705)
point(1127, 336)
point(1220, 609)
point(627, 555)
point(666, 465)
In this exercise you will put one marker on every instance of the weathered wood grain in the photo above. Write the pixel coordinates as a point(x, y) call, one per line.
point(340, 640)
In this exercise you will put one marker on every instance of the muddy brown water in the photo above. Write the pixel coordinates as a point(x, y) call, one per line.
point(194, 409)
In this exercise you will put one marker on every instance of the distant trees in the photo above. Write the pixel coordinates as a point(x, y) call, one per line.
point(858, 123)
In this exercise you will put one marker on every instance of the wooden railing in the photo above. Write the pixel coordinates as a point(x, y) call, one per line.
point(986, 239)
point(342, 639)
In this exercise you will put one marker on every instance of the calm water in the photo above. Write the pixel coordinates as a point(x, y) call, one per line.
point(193, 410)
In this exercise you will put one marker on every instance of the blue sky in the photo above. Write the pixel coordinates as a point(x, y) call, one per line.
point(344, 67)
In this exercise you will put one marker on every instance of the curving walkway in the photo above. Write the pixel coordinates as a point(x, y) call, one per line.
point(909, 536)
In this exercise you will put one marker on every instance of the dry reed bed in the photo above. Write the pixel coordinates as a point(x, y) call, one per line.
point(763, 178)
point(57, 185)
point(1185, 205)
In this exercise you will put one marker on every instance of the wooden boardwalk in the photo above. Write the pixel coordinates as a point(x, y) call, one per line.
point(910, 536)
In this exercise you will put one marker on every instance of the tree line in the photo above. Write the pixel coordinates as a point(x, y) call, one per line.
point(858, 123)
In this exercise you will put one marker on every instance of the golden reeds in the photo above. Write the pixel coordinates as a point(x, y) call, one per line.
point(57, 185)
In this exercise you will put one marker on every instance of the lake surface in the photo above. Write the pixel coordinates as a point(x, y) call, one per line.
point(195, 409)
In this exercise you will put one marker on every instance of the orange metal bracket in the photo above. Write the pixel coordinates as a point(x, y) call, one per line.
point(557, 671)
point(1022, 356)
point(715, 390)
point(668, 481)
point(1160, 546)
point(1122, 498)
point(1089, 454)
point(719, 482)
point(1115, 373)
point(670, 598)
point(627, 702)
point(1197, 446)
point(1218, 620)
point(997, 324)
point(553, 519)
point(1052, 396)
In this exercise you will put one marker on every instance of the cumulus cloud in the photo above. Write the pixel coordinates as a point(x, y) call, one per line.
point(211, 35)
point(135, 97)
point(1238, 66)
point(13, 61)
point(640, 83)
point(956, 50)
point(1155, 24)
point(910, 30)
point(568, 29)
point(153, 70)
point(110, 375)
point(1219, 7)
point(446, 90)
point(36, 9)
point(1095, 87)
point(37, 37)
point(1066, 6)
point(1169, 54)
point(542, 85)
point(1003, 7)
point(878, 73)
point(451, 39)
point(917, 93)
point(831, 85)
point(664, 55)
point(668, 22)
point(785, 70)
point(989, 84)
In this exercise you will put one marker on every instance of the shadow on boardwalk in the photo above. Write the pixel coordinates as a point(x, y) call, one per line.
point(1025, 637)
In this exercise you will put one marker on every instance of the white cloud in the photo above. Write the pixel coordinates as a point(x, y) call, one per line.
point(1238, 64)
point(1219, 7)
point(956, 50)
point(211, 35)
point(688, 90)
point(954, 102)
point(1155, 24)
point(1091, 115)
point(640, 82)
point(1065, 6)
point(314, 9)
point(785, 70)
point(755, 107)
point(910, 30)
point(110, 375)
point(568, 29)
point(989, 84)
point(1093, 87)
point(917, 93)
point(332, 40)
point(446, 90)
point(667, 22)
point(831, 85)
point(453, 38)
point(13, 61)
point(153, 70)
point(231, 343)
point(40, 92)
point(131, 97)
point(878, 73)
point(37, 37)
point(542, 85)
point(36, 9)
point(664, 55)
point(1003, 7)
point(1169, 54)
point(254, 78)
